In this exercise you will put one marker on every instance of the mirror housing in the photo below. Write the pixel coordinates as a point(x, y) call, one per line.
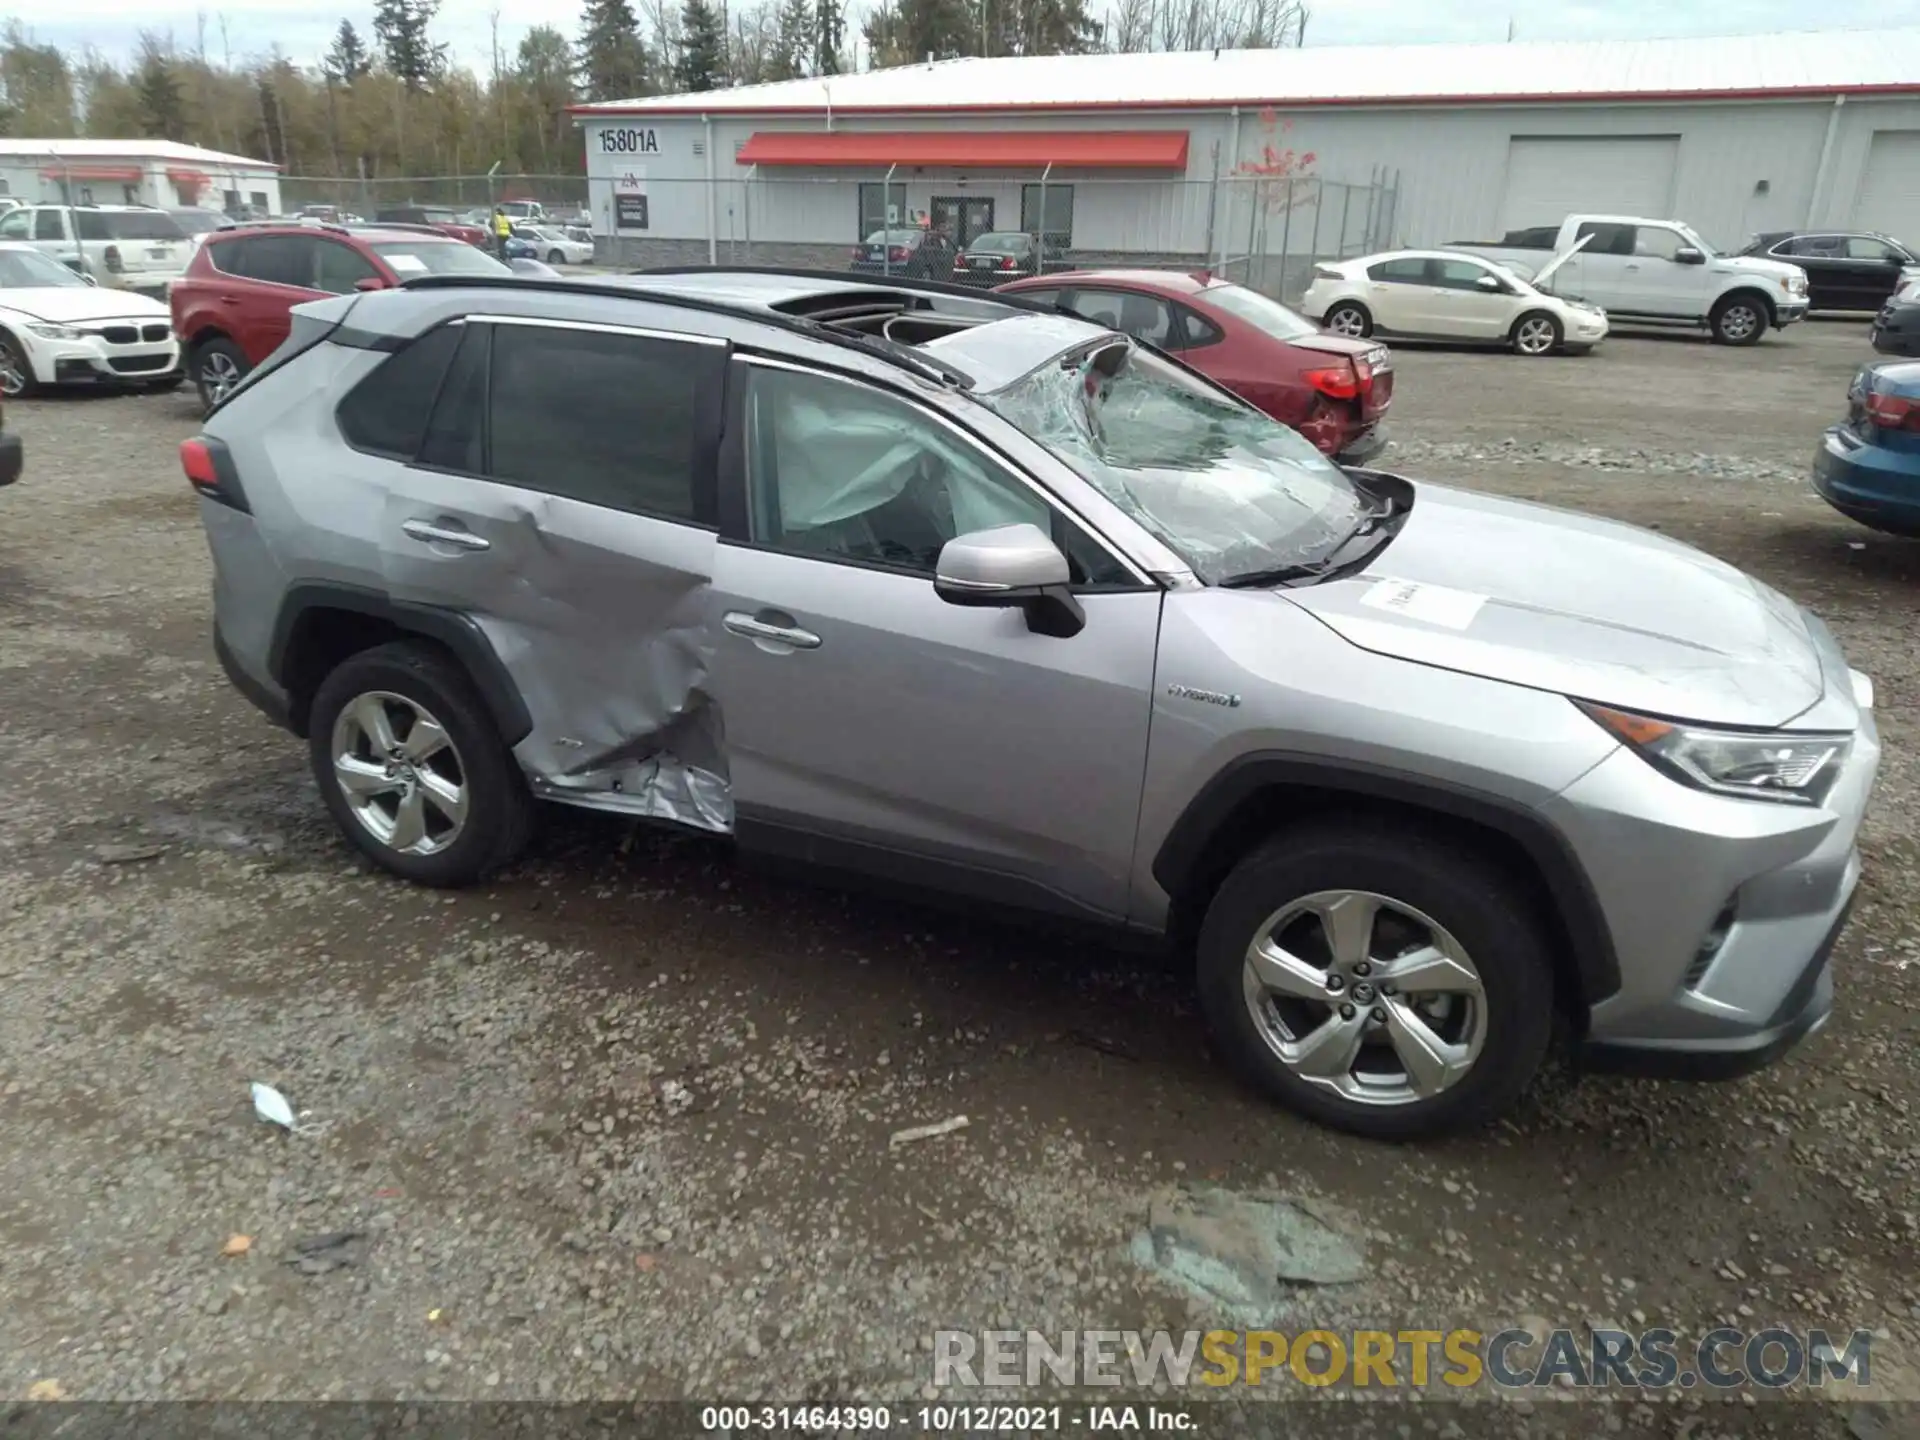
point(1489, 283)
point(1011, 567)
point(1687, 255)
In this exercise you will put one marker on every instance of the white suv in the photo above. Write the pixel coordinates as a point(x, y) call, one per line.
point(124, 247)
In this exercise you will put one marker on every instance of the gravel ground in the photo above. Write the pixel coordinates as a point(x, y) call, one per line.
point(618, 1125)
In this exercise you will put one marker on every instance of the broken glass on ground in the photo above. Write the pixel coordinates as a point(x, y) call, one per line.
point(1247, 1255)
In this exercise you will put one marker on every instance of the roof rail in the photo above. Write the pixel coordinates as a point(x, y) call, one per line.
point(850, 277)
point(904, 356)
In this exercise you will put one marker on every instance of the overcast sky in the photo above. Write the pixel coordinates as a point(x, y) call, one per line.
point(303, 28)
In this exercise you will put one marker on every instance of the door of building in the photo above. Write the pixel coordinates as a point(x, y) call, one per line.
point(963, 217)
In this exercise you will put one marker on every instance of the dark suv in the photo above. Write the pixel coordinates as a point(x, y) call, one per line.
point(232, 308)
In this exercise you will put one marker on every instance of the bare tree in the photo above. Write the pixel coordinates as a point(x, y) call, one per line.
point(1171, 25)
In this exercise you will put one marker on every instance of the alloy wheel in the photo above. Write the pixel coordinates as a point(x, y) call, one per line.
point(1366, 997)
point(1737, 322)
point(1348, 322)
point(400, 772)
point(218, 375)
point(13, 371)
point(1535, 336)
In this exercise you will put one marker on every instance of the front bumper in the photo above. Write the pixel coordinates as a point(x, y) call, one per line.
point(94, 361)
point(1363, 448)
point(1790, 311)
point(1896, 330)
point(1667, 863)
point(1876, 486)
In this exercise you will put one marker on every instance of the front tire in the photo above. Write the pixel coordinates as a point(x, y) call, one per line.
point(215, 367)
point(1535, 333)
point(1739, 319)
point(17, 380)
point(1349, 318)
point(1377, 979)
point(412, 768)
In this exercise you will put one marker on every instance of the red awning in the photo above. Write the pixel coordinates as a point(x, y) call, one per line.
point(188, 177)
point(971, 149)
point(90, 172)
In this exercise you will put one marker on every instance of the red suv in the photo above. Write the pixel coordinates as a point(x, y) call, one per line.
point(1331, 389)
point(233, 306)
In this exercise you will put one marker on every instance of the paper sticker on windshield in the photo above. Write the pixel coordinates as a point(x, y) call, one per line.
point(407, 264)
point(1434, 604)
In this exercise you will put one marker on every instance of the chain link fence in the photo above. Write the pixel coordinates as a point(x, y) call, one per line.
point(1264, 232)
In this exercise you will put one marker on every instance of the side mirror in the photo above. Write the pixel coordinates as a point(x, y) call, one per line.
point(1011, 567)
point(88, 278)
point(1687, 255)
point(1489, 283)
point(370, 282)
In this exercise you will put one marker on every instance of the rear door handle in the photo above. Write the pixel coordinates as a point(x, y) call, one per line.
point(738, 622)
point(430, 533)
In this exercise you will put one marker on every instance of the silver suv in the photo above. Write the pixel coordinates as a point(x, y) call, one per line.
point(952, 589)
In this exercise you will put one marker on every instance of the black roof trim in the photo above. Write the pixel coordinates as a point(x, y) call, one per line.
point(904, 356)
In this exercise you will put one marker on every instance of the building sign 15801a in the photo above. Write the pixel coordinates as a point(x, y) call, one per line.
point(629, 140)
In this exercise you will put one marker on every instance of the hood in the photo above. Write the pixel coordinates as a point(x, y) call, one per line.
point(68, 303)
point(1586, 607)
point(1774, 270)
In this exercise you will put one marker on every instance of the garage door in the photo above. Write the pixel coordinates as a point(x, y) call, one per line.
point(1549, 178)
point(1890, 191)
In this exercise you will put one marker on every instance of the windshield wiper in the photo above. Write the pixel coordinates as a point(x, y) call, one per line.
point(1327, 564)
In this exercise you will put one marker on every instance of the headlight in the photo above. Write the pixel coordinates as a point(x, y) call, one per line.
point(1798, 768)
point(53, 332)
point(1794, 284)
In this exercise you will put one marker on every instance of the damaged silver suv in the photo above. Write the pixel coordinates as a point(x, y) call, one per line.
point(978, 597)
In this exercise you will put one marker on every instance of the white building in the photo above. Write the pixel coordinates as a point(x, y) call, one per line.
point(1174, 157)
point(134, 172)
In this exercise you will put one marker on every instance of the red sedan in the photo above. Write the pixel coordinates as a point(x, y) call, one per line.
point(1331, 389)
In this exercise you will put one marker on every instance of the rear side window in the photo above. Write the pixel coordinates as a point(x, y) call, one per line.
point(386, 413)
point(608, 418)
point(229, 257)
point(277, 259)
point(47, 226)
point(154, 225)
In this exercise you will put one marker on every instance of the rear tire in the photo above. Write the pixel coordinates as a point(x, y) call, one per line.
point(1535, 333)
point(1349, 318)
point(1739, 319)
point(457, 788)
point(554, 257)
point(215, 366)
point(1477, 1015)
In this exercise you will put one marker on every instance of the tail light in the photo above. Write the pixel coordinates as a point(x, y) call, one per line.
point(1006, 263)
point(896, 252)
point(859, 252)
point(1337, 382)
point(1327, 272)
point(209, 469)
point(114, 262)
point(1893, 412)
point(959, 262)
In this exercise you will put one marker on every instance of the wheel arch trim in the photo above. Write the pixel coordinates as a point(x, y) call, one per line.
point(1184, 851)
point(459, 633)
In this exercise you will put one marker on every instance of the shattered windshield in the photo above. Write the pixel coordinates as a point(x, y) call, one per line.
point(1228, 489)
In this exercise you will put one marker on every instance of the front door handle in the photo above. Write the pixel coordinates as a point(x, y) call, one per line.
point(738, 622)
point(434, 534)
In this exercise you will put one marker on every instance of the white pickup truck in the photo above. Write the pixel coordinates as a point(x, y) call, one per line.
point(1654, 272)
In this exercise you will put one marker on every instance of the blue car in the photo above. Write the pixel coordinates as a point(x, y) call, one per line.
point(1868, 466)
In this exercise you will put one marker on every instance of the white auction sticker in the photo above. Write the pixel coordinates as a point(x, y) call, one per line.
point(1435, 604)
point(407, 264)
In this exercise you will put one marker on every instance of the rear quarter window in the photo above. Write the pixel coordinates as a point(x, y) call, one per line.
point(386, 413)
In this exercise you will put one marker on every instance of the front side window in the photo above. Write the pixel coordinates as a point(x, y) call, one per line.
point(841, 471)
point(1865, 247)
point(604, 417)
point(1457, 274)
point(49, 225)
point(17, 226)
point(1231, 491)
point(341, 268)
point(1656, 242)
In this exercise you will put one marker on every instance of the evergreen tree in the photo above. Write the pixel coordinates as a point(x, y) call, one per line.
point(614, 64)
point(703, 48)
point(163, 109)
point(347, 60)
point(401, 28)
point(791, 54)
point(829, 35)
